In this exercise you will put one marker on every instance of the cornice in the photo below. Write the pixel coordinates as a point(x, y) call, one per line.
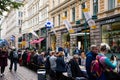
point(63, 5)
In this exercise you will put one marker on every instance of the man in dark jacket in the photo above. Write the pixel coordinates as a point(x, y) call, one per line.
point(90, 57)
point(13, 60)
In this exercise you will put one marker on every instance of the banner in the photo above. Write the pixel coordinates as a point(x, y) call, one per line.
point(118, 1)
point(68, 25)
point(88, 18)
point(31, 31)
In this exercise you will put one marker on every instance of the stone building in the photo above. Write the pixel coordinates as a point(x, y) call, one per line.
point(104, 12)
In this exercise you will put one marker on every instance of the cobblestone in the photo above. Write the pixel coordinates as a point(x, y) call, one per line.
point(22, 73)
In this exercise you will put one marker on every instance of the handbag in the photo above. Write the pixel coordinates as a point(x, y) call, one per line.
point(111, 75)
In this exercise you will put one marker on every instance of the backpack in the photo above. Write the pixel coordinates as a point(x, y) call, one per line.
point(96, 68)
point(15, 55)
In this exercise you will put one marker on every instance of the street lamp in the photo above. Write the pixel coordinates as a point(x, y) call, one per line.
point(85, 26)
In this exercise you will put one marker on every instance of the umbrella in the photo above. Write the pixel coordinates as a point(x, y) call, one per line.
point(3, 43)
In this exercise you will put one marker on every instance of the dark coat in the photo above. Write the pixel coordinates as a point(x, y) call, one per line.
point(60, 64)
point(75, 69)
point(3, 58)
point(90, 57)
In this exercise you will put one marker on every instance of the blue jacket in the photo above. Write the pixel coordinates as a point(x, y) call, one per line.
point(90, 57)
point(60, 65)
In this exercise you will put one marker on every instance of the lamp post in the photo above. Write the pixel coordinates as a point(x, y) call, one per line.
point(85, 26)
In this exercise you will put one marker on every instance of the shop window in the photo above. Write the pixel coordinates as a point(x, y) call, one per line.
point(53, 42)
point(65, 13)
point(66, 40)
point(111, 4)
point(111, 35)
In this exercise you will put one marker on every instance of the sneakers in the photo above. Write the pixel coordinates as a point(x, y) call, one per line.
point(1, 75)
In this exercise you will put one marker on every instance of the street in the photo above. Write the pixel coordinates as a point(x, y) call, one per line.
point(22, 73)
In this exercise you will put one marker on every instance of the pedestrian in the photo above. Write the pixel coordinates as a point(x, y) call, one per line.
point(13, 59)
point(82, 58)
point(74, 67)
point(90, 56)
point(76, 51)
point(3, 59)
point(24, 57)
point(52, 60)
point(66, 51)
point(60, 66)
point(107, 65)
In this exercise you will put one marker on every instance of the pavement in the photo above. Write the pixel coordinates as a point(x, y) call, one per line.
point(22, 73)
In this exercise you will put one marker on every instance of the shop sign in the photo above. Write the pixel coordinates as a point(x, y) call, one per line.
point(110, 21)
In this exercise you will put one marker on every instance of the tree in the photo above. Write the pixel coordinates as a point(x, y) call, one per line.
point(6, 5)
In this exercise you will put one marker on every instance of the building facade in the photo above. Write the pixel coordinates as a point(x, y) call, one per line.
point(104, 12)
point(35, 16)
point(12, 26)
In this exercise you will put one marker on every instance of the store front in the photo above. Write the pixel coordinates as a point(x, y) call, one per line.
point(111, 35)
point(66, 40)
point(83, 39)
point(110, 32)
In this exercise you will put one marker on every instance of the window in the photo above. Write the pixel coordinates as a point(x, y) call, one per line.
point(53, 3)
point(59, 20)
point(73, 14)
point(65, 13)
point(111, 4)
point(19, 30)
point(19, 22)
point(54, 20)
point(95, 7)
point(20, 14)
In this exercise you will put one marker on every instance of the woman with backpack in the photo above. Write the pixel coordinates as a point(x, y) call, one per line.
point(106, 65)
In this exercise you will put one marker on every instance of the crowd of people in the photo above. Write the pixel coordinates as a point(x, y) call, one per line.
point(55, 63)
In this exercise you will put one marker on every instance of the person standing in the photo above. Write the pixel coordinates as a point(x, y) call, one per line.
point(66, 51)
point(90, 56)
point(52, 60)
point(3, 59)
point(76, 51)
point(107, 64)
point(13, 59)
point(82, 59)
point(60, 66)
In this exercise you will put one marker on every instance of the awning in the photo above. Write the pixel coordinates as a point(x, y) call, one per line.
point(36, 41)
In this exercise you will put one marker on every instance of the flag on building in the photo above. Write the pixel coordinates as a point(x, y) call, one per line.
point(68, 25)
point(88, 18)
point(33, 32)
point(50, 25)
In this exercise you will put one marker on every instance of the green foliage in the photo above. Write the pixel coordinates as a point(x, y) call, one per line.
point(4, 4)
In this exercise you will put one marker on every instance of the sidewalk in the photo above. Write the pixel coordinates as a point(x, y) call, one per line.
point(21, 74)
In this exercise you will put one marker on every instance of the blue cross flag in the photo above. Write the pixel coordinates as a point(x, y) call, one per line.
point(49, 24)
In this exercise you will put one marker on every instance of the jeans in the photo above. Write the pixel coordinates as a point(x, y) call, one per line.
point(15, 64)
